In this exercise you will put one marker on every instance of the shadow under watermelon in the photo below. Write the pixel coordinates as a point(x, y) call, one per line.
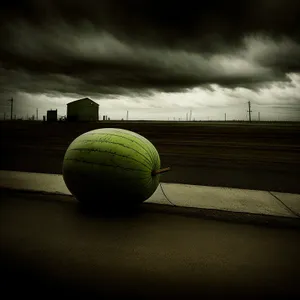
point(110, 209)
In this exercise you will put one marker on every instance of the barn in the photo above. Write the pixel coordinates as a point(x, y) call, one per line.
point(83, 110)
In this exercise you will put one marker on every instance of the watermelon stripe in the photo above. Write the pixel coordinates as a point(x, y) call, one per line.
point(119, 144)
point(109, 152)
point(150, 147)
point(146, 149)
point(126, 138)
point(104, 165)
point(137, 136)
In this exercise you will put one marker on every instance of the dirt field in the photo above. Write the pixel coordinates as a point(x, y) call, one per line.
point(262, 156)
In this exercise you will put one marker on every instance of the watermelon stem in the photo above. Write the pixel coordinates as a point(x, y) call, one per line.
point(160, 171)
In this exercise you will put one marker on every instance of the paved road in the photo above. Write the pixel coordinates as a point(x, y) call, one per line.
point(48, 241)
point(258, 156)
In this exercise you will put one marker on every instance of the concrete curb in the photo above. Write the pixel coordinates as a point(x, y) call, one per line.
point(180, 195)
point(189, 212)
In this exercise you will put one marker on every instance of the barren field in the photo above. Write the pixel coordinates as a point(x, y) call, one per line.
point(263, 156)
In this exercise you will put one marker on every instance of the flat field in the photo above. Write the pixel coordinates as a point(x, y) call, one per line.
point(263, 156)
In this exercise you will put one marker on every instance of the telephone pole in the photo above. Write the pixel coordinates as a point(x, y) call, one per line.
point(11, 107)
point(249, 111)
point(37, 114)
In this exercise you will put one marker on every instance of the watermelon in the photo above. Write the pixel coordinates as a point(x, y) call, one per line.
point(111, 166)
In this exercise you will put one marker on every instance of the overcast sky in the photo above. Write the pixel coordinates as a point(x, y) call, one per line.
point(157, 59)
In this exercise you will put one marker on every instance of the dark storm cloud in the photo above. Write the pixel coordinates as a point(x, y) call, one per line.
point(281, 55)
point(166, 22)
point(104, 47)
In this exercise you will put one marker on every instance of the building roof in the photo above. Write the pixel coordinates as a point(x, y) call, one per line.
point(83, 99)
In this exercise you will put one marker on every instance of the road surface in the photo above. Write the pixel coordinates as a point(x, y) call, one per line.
point(48, 243)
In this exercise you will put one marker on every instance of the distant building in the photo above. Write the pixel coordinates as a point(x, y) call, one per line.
point(83, 110)
point(52, 115)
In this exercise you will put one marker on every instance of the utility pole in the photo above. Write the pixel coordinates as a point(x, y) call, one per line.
point(187, 116)
point(11, 107)
point(127, 116)
point(190, 115)
point(249, 111)
point(37, 114)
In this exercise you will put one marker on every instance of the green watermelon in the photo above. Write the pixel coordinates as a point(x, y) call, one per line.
point(111, 166)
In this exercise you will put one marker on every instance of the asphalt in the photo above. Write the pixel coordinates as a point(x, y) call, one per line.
point(51, 246)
